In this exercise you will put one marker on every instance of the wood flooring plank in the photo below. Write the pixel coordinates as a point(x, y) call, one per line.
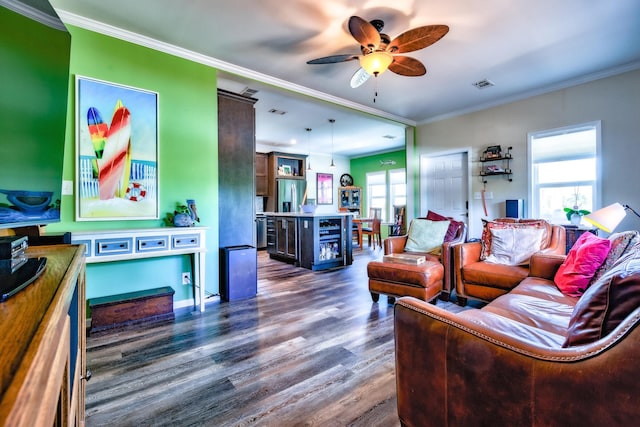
point(310, 349)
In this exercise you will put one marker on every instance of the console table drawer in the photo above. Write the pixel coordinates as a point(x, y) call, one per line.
point(152, 243)
point(186, 241)
point(116, 246)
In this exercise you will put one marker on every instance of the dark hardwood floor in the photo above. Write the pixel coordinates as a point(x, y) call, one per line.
point(310, 349)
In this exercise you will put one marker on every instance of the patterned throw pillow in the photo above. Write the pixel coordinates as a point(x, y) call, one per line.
point(514, 224)
point(454, 226)
point(619, 244)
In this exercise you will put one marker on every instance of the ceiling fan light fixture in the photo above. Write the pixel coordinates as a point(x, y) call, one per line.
point(376, 63)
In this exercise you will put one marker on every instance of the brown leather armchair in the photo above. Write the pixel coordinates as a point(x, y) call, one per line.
point(400, 284)
point(484, 281)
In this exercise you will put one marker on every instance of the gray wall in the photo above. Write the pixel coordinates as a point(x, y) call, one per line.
point(615, 101)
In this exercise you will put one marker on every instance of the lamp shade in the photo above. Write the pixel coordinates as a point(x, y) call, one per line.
point(376, 63)
point(607, 218)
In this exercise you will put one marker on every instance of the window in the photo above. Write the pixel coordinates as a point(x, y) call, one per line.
point(564, 171)
point(386, 189)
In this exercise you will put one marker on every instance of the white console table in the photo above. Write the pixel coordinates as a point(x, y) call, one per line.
point(122, 245)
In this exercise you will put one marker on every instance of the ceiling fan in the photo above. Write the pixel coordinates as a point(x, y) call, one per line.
point(380, 53)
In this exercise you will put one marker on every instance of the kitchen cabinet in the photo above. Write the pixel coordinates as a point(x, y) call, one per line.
point(42, 362)
point(282, 233)
point(283, 166)
point(324, 242)
point(313, 241)
point(350, 198)
point(262, 174)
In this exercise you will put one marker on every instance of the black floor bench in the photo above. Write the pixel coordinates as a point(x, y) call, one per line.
point(131, 308)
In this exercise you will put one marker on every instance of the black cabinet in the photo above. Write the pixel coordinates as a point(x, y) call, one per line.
point(324, 242)
point(282, 237)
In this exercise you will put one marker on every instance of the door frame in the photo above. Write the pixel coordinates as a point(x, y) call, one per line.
point(424, 156)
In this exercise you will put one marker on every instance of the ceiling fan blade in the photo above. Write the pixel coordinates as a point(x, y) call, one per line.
point(333, 59)
point(418, 38)
point(407, 66)
point(364, 32)
point(359, 77)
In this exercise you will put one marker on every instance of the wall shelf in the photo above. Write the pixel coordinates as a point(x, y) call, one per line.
point(496, 163)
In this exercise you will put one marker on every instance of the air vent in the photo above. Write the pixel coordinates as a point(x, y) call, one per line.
point(249, 92)
point(278, 112)
point(389, 137)
point(483, 84)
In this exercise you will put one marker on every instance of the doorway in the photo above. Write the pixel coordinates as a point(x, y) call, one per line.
point(444, 185)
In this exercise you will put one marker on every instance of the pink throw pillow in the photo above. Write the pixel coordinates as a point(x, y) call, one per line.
point(586, 255)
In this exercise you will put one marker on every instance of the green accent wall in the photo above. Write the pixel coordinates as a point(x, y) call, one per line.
point(360, 166)
point(188, 155)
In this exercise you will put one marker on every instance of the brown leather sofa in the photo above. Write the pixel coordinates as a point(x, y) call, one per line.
point(407, 280)
point(484, 281)
point(531, 357)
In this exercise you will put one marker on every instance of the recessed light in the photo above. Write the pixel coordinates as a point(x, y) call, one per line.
point(279, 112)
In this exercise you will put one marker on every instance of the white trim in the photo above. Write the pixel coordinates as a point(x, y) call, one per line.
point(33, 13)
point(111, 31)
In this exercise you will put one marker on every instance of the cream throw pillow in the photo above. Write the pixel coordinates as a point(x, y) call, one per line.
point(514, 246)
point(425, 235)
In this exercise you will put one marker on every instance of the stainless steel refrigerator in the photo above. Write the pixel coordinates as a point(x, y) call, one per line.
point(290, 194)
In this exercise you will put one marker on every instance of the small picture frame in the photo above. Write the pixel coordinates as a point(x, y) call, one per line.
point(286, 170)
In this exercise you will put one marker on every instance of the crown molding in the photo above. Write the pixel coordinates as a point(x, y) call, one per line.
point(119, 33)
point(33, 13)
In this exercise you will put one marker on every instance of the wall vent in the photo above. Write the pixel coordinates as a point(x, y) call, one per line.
point(389, 137)
point(279, 112)
point(483, 84)
point(249, 92)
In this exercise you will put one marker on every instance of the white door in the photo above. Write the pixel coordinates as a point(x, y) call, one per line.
point(444, 185)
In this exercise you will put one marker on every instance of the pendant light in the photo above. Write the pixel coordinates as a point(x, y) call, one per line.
point(309, 146)
point(332, 121)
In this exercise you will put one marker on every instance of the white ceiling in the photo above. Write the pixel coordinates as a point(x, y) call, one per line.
point(524, 47)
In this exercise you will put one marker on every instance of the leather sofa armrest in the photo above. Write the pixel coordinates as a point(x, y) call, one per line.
point(466, 253)
point(452, 368)
point(545, 265)
point(558, 244)
point(394, 244)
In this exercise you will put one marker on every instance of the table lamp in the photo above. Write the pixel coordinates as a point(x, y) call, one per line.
point(608, 218)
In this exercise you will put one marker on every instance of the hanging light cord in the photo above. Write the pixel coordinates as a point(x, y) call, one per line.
point(332, 121)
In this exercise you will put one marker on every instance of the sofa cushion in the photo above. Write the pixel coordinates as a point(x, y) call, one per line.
point(514, 246)
point(425, 235)
point(494, 275)
point(584, 258)
point(607, 302)
point(454, 226)
point(549, 315)
point(510, 223)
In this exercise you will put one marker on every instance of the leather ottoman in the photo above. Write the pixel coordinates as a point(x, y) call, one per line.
point(423, 281)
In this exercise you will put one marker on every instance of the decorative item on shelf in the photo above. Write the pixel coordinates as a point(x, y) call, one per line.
point(492, 152)
point(184, 215)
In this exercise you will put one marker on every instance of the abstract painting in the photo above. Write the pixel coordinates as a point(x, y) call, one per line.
point(324, 188)
point(116, 151)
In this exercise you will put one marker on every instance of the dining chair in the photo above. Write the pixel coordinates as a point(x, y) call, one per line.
point(374, 229)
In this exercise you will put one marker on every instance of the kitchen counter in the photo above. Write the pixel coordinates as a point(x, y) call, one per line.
point(316, 241)
point(305, 214)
